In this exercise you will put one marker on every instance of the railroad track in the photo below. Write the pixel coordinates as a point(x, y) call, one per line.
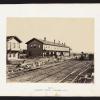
point(50, 71)
point(36, 74)
point(60, 70)
point(42, 68)
point(55, 77)
point(53, 72)
point(74, 74)
point(75, 79)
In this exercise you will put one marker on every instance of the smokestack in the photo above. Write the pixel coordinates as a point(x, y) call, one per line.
point(54, 41)
point(44, 38)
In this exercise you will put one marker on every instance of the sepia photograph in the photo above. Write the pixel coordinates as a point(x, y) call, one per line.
point(50, 50)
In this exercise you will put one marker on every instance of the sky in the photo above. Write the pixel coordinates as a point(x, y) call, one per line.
point(78, 33)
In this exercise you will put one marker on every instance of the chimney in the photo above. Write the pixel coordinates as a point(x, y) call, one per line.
point(44, 38)
point(54, 41)
point(59, 42)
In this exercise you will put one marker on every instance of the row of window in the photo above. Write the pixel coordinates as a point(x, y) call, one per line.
point(13, 45)
point(12, 54)
point(35, 46)
point(49, 47)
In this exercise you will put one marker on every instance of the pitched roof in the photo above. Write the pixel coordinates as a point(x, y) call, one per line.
point(47, 42)
point(15, 37)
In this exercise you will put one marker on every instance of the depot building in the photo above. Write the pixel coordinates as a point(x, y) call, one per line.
point(41, 48)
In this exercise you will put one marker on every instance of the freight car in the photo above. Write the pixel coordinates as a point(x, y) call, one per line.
point(84, 56)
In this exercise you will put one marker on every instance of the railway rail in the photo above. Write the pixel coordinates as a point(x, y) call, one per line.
point(51, 71)
point(36, 69)
point(72, 76)
point(62, 73)
point(39, 72)
point(58, 72)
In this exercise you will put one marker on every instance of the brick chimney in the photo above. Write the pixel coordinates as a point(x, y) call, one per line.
point(54, 41)
point(44, 38)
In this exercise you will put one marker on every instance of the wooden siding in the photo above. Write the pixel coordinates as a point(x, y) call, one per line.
point(13, 45)
point(34, 48)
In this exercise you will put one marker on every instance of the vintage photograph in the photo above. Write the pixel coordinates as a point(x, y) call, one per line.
point(50, 50)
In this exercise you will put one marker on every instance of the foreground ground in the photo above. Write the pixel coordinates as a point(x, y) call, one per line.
point(69, 71)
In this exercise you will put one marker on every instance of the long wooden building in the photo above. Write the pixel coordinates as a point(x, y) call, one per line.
point(38, 47)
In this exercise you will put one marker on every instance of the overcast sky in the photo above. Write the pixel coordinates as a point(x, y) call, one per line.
point(78, 33)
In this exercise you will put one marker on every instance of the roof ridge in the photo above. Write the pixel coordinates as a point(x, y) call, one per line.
point(48, 42)
point(11, 36)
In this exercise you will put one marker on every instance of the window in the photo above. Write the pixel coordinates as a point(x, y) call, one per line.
point(14, 54)
point(39, 46)
point(34, 45)
point(10, 45)
point(14, 45)
point(9, 54)
point(18, 45)
point(31, 45)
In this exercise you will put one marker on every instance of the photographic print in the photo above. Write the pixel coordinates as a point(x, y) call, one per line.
point(50, 50)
